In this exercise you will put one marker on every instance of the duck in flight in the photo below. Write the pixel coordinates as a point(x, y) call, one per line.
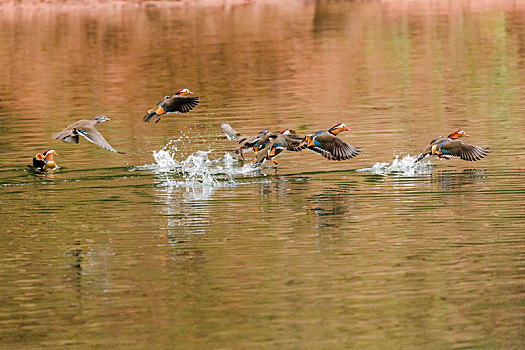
point(452, 147)
point(178, 103)
point(86, 129)
point(327, 144)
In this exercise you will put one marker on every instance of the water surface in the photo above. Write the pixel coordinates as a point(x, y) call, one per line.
point(177, 244)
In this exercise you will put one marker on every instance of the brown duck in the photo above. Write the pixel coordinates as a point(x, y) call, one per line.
point(85, 128)
point(327, 144)
point(178, 103)
point(451, 147)
point(247, 142)
point(285, 140)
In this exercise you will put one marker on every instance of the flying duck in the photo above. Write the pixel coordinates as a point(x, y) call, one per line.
point(285, 140)
point(451, 147)
point(244, 141)
point(327, 144)
point(178, 103)
point(85, 128)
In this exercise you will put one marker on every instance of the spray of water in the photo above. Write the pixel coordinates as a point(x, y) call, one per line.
point(196, 171)
point(406, 166)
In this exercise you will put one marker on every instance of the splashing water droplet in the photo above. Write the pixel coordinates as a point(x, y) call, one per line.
point(405, 166)
point(196, 170)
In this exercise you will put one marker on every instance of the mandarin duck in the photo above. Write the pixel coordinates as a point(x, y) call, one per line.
point(86, 129)
point(244, 141)
point(327, 144)
point(45, 160)
point(178, 103)
point(451, 147)
point(285, 140)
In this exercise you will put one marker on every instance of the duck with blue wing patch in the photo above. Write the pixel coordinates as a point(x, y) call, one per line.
point(327, 144)
point(451, 147)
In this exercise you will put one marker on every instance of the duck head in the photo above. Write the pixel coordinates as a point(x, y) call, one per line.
point(48, 155)
point(183, 92)
point(101, 118)
point(287, 132)
point(336, 129)
point(457, 134)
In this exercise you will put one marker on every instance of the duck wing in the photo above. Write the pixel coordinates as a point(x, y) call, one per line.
point(465, 151)
point(333, 148)
point(66, 136)
point(179, 104)
point(92, 135)
point(230, 133)
point(292, 142)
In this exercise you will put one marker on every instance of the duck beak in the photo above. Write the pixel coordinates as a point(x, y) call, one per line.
point(346, 128)
point(189, 92)
point(467, 134)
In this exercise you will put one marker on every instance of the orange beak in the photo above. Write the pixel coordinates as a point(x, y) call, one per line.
point(346, 128)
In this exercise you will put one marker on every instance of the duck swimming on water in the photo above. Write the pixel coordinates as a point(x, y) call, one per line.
point(45, 160)
point(451, 147)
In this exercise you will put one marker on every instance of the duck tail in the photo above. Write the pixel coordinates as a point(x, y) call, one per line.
point(230, 133)
point(153, 116)
point(421, 156)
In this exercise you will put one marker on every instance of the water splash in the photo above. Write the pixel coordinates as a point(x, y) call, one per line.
point(196, 171)
point(405, 166)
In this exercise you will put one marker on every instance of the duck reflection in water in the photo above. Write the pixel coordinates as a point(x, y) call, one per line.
point(457, 179)
point(331, 207)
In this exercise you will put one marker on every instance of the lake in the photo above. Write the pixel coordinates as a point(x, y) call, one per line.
point(179, 244)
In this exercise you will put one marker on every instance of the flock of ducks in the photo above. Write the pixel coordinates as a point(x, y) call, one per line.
point(265, 145)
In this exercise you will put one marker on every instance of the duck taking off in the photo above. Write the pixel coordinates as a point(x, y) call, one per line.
point(327, 144)
point(451, 147)
point(86, 129)
point(178, 103)
point(246, 142)
point(285, 140)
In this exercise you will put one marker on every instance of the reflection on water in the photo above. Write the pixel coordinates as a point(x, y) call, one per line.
point(179, 242)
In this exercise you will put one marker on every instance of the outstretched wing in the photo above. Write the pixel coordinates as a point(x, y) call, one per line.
point(292, 142)
point(230, 133)
point(178, 104)
point(460, 149)
point(92, 135)
point(333, 148)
